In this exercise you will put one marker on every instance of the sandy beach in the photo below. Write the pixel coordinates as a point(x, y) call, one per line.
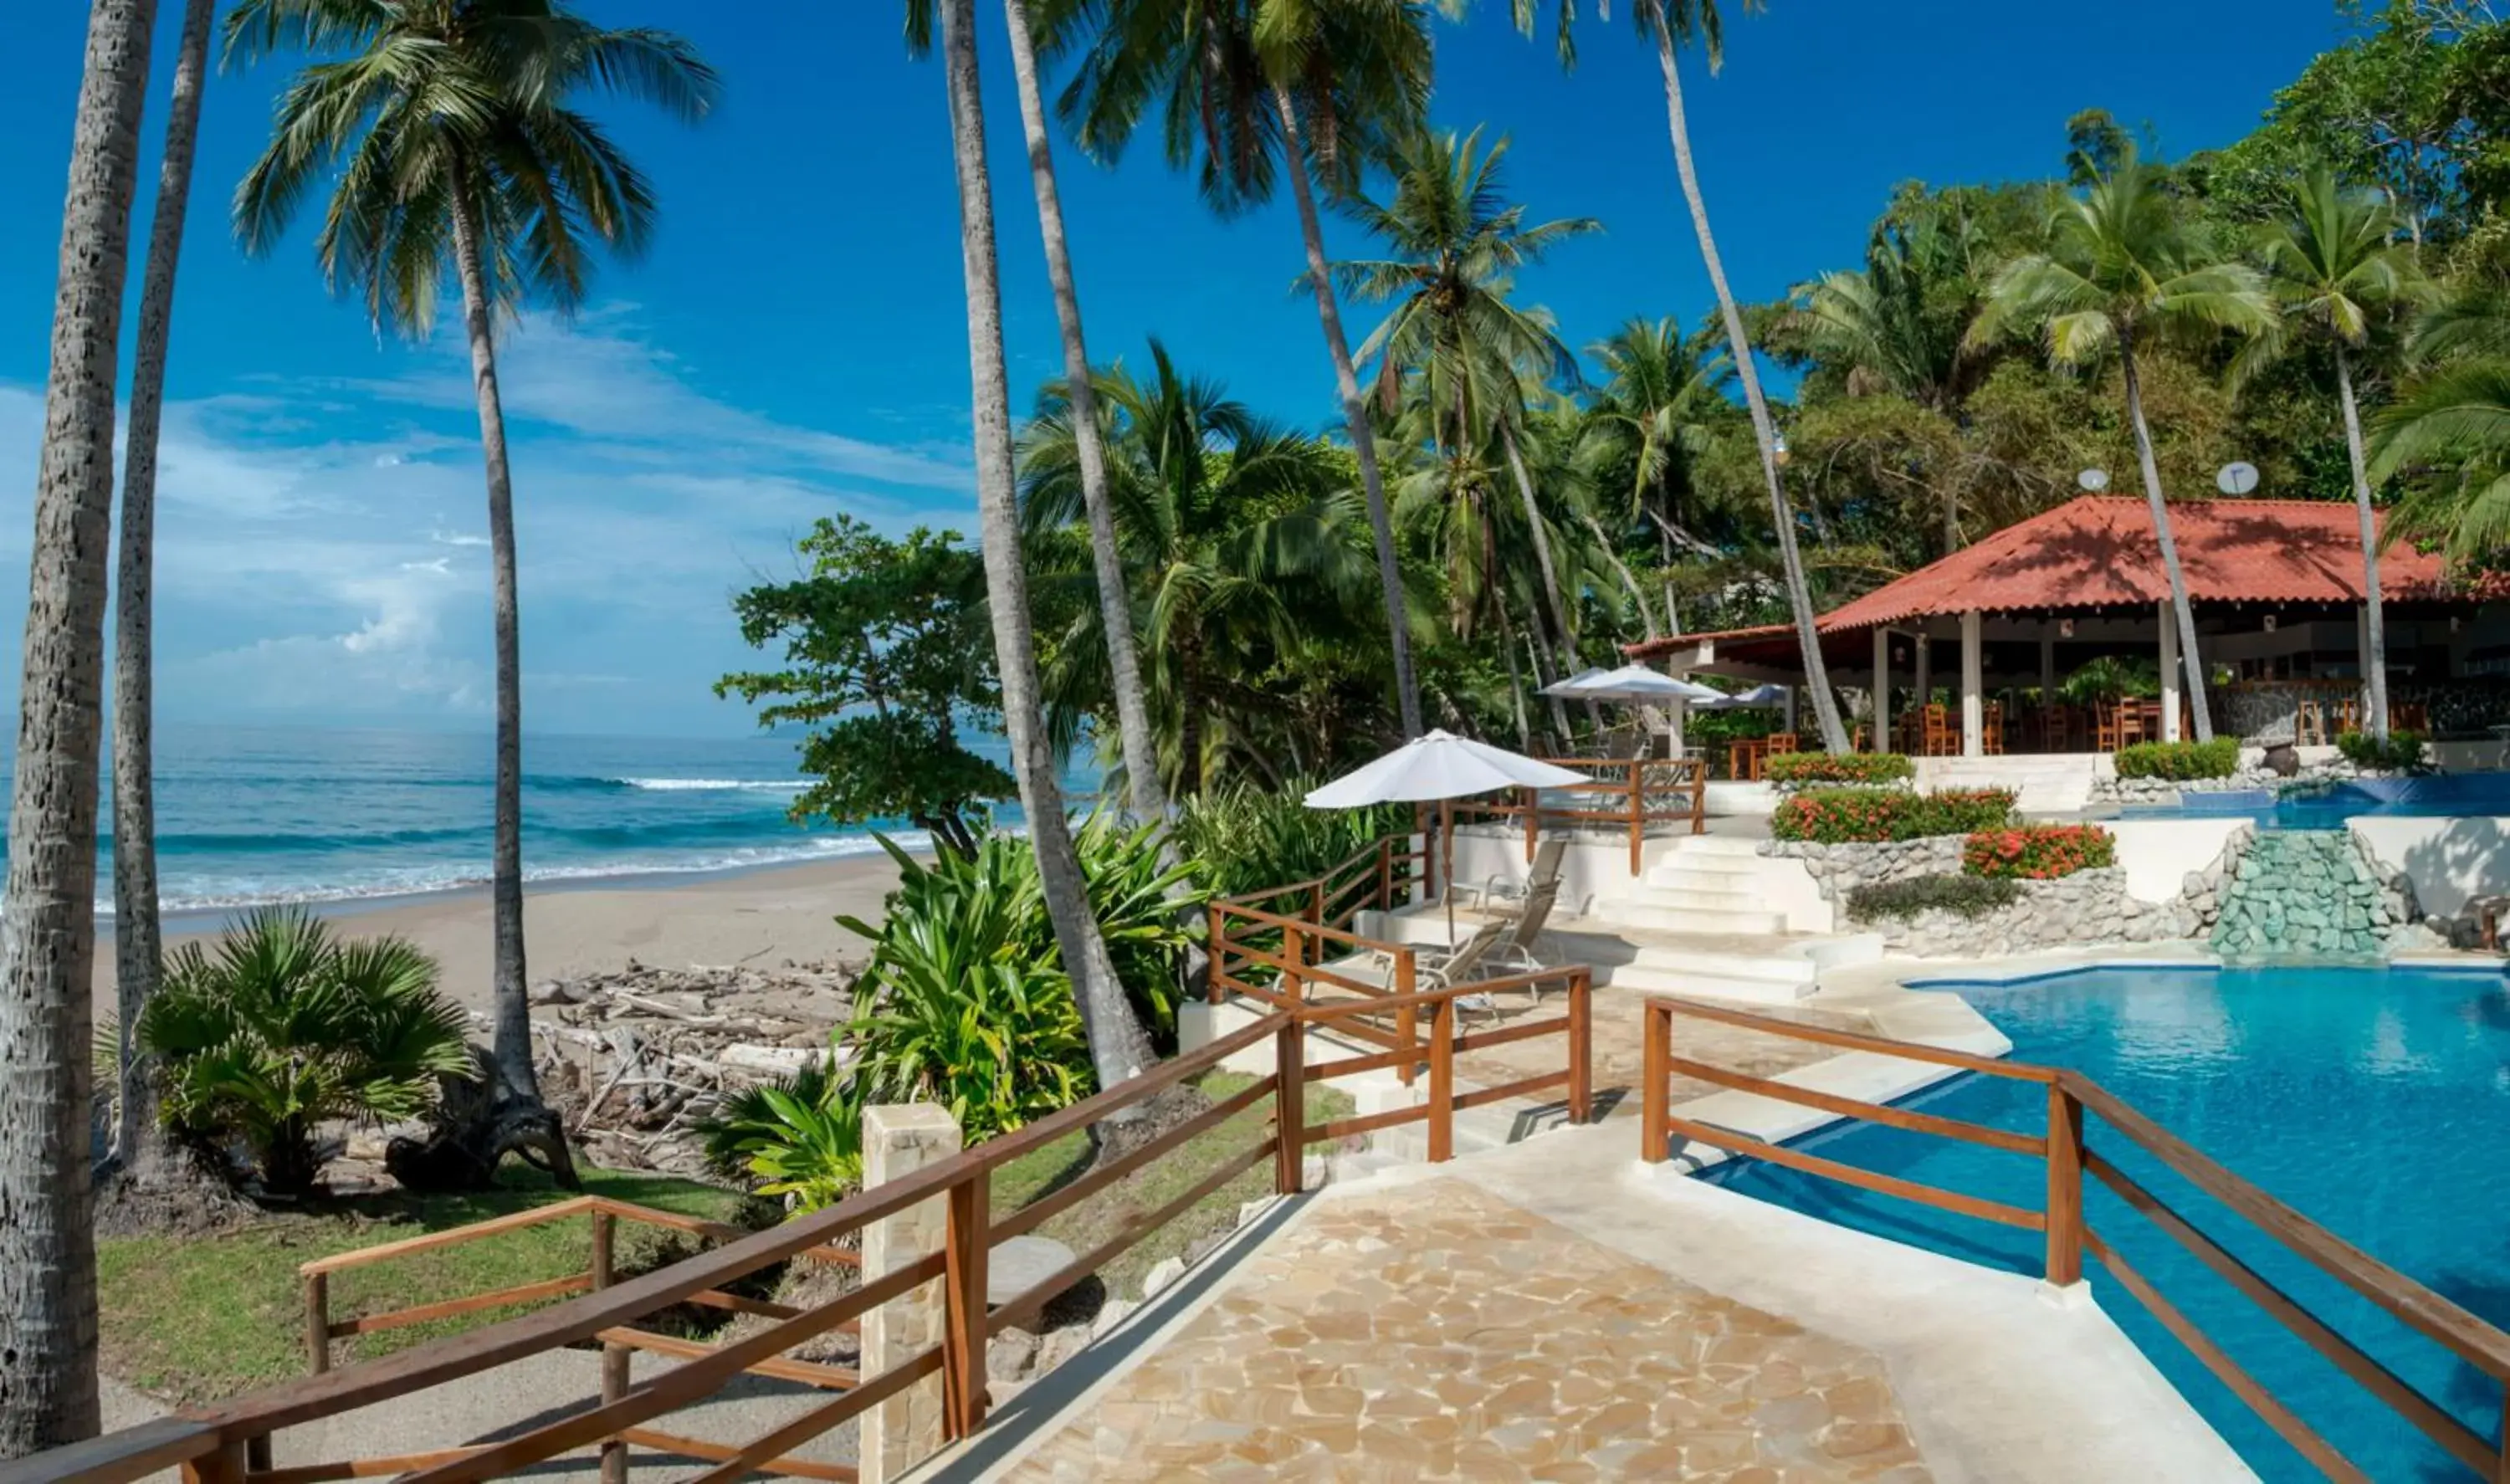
point(761, 916)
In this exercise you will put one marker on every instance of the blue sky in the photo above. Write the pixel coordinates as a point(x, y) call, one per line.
point(794, 346)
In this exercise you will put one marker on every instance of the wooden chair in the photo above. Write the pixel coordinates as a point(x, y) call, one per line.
point(1786, 742)
point(2309, 724)
point(1942, 738)
point(2110, 726)
point(1992, 729)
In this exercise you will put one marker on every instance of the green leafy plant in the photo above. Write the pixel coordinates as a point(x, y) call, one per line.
point(1840, 768)
point(283, 1028)
point(2111, 677)
point(799, 1138)
point(1249, 838)
point(1842, 815)
point(2401, 752)
point(1961, 896)
point(2216, 759)
point(2038, 852)
point(996, 1040)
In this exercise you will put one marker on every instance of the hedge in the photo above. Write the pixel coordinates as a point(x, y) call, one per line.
point(2216, 759)
point(1961, 896)
point(1842, 815)
point(2038, 852)
point(2403, 752)
point(1839, 768)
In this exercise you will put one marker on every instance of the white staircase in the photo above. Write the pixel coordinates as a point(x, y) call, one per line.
point(1773, 977)
point(2045, 783)
point(1711, 885)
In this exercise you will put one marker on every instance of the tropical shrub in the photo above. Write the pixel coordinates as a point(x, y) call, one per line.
point(2038, 852)
point(2402, 752)
point(2216, 759)
point(1840, 815)
point(1249, 838)
point(283, 1028)
point(996, 1040)
point(1962, 896)
point(799, 1138)
point(1839, 768)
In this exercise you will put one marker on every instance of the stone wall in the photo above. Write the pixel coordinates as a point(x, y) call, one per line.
point(2315, 894)
point(2247, 780)
point(2086, 907)
point(1839, 869)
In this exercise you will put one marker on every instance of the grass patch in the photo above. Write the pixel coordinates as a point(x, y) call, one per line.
point(198, 1319)
point(1096, 1219)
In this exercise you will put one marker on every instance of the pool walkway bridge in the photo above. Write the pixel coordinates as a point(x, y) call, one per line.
point(1569, 1305)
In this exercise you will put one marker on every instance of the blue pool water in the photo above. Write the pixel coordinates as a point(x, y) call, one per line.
point(2443, 796)
point(2375, 1101)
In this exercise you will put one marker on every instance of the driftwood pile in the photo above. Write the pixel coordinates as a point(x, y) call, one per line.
point(632, 1058)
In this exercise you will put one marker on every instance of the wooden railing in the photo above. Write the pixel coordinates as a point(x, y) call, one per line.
point(2069, 1235)
point(1631, 792)
point(1273, 945)
point(229, 1442)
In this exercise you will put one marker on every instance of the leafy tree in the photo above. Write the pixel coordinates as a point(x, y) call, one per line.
point(2123, 268)
point(886, 644)
point(459, 151)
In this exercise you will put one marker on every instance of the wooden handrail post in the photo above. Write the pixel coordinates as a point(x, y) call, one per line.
point(228, 1464)
point(616, 1359)
point(1638, 816)
point(1294, 952)
point(1442, 1081)
point(1386, 874)
point(1533, 820)
point(1582, 1044)
point(2065, 1264)
point(965, 1249)
point(1219, 955)
point(1656, 1096)
point(1290, 1105)
point(1317, 902)
point(317, 1323)
point(1407, 1025)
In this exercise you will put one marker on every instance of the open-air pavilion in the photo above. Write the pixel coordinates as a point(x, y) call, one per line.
point(2277, 593)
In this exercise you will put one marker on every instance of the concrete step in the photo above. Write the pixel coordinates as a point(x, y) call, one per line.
point(1648, 915)
point(1780, 979)
point(1713, 845)
point(1720, 874)
point(1721, 895)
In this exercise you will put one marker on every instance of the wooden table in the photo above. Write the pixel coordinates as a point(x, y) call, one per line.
point(1747, 758)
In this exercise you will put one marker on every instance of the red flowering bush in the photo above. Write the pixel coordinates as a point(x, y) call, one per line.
point(1839, 815)
point(2038, 852)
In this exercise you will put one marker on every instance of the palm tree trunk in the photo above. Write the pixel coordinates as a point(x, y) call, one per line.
point(1825, 705)
point(1542, 546)
point(1118, 1048)
point(2375, 666)
point(1515, 680)
point(510, 1009)
point(48, 1384)
point(1189, 704)
point(2181, 612)
point(139, 1145)
point(1629, 578)
point(1543, 677)
point(1354, 414)
point(1115, 603)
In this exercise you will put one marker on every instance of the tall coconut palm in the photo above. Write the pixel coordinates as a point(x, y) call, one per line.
point(2122, 268)
point(1658, 409)
point(138, 1142)
point(1251, 91)
point(1118, 1048)
point(48, 1385)
point(459, 152)
point(1670, 26)
point(2335, 266)
point(1457, 244)
point(1233, 530)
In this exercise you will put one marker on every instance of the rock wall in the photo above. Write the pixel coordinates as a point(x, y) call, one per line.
point(2247, 780)
point(2086, 907)
point(2314, 894)
point(1840, 869)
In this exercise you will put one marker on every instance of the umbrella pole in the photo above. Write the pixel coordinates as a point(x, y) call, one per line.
point(1447, 842)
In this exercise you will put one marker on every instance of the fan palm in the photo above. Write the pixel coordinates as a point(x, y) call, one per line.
point(48, 907)
point(2334, 265)
point(285, 1028)
point(1669, 25)
point(1456, 244)
point(1251, 91)
point(1229, 527)
point(1119, 1047)
point(459, 152)
point(2122, 268)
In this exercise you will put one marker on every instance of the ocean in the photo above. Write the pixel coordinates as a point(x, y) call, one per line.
point(247, 815)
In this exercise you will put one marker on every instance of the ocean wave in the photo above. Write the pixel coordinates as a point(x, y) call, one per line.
point(712, 785)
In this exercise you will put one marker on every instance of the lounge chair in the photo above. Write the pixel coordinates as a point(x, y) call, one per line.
point(1545, 870)
point(1520, 947)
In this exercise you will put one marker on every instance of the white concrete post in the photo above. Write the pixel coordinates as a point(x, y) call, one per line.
point(1925, 667)
point(906, 1429)
point(1882, 690)
point(1974, 683)
point(2169, 672)
point(2362, 659)
point(2047, 669)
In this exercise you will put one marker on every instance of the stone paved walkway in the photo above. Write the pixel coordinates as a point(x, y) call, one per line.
point(1436, 1332)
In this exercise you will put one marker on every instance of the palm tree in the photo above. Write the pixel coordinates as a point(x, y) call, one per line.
point(1654, 414)
point(1118, 1048)
point(48, 908)
point(1671, 24)
point(1233, 529)
point(2334, 266)
point(2121, 268)
point(1250, 86)
point(459, 154)
point(1457, 244)
point(136, 945)
point(2452, 429)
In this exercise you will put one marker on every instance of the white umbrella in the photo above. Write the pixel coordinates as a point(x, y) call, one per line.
point(1573, 687)
point(1769, 697)
point(1638, 683)
point(1443, 767)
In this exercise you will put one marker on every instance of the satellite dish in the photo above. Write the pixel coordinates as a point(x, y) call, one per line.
point(2093, 479)
point(2236, 479)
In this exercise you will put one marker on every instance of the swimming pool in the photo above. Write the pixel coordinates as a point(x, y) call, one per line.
point(2376, 1101)
point(2441, 795)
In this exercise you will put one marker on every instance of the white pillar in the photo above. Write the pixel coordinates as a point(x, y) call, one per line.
point(1925, 667)
point(2047, 669)
point(1973, 686)
point(904, 1430)
point(2362, 659)
point(2169, 672)
point(1882, 690)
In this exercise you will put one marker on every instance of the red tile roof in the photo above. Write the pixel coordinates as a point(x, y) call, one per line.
point(2099, 551)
